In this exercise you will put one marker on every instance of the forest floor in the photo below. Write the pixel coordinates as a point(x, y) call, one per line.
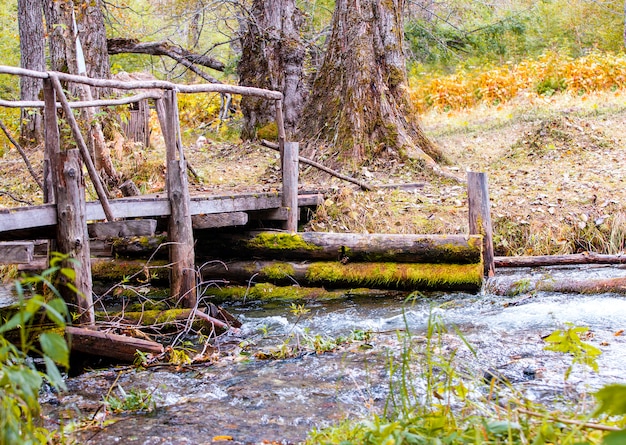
point(556, 168)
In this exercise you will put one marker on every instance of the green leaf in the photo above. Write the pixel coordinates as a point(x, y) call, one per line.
point(55, 347)
point(69, 273)
point(56, 309)
point(53, 374)
point(500, 427)
point(615, 438)
point(612, 399)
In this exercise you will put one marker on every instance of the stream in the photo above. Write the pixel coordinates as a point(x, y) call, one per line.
point(278, 401)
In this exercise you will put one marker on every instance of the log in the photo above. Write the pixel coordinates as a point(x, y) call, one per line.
point(114, 229)
point(16, 252)
point(561, 284)
point(115, 346)
point(465, 277)
point(558, 260)
point(345, 247)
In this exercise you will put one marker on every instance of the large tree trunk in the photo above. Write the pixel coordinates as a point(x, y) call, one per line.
point(359, 104)
point(273, 58)
point(30, 18)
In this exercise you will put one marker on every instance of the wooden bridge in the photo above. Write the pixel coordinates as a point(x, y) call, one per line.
point(66, 216)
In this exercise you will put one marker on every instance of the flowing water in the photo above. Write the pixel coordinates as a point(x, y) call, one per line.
point(266, 401)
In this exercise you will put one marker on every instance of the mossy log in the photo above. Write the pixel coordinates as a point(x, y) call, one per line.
point(345, 247)
point(271, 292)
point(136, 271)
point(341, 276)
point(563, 285)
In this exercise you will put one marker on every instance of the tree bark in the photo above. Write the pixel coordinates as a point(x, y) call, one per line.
point(272, 57)
point(30, 18)
point(359, 103)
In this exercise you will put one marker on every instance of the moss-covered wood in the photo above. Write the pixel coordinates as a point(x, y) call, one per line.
point(345, 247)
point(334, 274)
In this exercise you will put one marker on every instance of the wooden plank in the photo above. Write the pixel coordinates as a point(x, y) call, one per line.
point(115, 229)
point(45, 215)
point(216, 220)
point(102, 344)
point(480, 216)
point(290, 185)
point(19, 252)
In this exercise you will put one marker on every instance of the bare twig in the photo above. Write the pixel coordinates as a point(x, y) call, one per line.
point(15, 198)
point(22, 154)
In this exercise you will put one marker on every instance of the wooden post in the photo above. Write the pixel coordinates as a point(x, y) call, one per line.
point(480, 216)
point(52, 144)
point(180, 229)
point(72, 236)
point(290, 185)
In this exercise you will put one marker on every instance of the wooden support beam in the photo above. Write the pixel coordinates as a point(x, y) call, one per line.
point(290, 185)
point(18, 252)
point(115, 229)
point(212, 221)
point(72, 237)
point(180, 227)
point(480, 216)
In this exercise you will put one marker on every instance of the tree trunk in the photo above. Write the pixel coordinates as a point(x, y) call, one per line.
point(273, 58)
point(63, 58)
point(30, 18)
point(359, 104)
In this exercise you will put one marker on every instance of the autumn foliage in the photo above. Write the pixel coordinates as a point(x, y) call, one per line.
point(546, 75)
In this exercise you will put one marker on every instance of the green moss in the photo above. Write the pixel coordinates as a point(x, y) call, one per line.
point(270, 292)
point(278, 271)
point(119, 270)
point(398, 275)
point(280, 241)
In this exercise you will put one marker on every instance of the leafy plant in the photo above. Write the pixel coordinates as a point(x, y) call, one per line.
point(20, 380)
point(131, 400)
point(568, 341)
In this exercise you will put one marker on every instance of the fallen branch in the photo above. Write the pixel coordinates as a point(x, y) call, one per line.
point(363, 185)
point(22, 153)
point(15, 198)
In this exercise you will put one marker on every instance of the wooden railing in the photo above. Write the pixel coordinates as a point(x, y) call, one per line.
point(64, 184)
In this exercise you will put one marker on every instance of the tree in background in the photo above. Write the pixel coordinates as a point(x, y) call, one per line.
point(272, 57)
point(30, 19)
point(359, 105)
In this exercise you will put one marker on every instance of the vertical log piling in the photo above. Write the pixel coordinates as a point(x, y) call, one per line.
point(72, 236)
point(480, 216)
point(290, 185)
point(180, 229)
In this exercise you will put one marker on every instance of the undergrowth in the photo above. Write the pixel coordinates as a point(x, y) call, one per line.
point(433, 400)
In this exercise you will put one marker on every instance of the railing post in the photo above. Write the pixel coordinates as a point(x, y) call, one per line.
point(290, 185)
point(180, 229)
point(480, 216)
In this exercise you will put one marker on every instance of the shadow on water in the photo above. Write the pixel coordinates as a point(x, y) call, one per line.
point(254, 400)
